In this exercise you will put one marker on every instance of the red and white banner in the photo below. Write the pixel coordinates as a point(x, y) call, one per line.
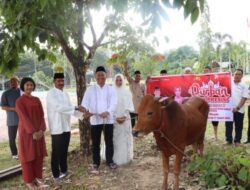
point(215, 88)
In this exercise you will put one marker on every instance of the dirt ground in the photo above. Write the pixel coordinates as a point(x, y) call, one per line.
point(143, 173)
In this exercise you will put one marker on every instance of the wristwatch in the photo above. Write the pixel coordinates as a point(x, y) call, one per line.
point(238, 108)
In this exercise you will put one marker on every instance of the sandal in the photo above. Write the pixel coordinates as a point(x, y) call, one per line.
point(112, 166)
point(94, 169)
point(40, 183)
point(31, 186)
point(94, 166)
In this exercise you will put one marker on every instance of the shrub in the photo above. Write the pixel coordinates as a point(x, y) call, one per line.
point(224, 167)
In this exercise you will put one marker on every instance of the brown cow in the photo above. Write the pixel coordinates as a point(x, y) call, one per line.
point(174, 126)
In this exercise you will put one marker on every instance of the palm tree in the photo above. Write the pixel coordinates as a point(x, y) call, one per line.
point(238, 53)
point(220, 41)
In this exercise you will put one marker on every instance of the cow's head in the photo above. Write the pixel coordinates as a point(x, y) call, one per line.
point(149, 114)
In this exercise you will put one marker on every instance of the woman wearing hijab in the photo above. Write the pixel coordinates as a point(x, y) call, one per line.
point(31, 141)
point(122, 137)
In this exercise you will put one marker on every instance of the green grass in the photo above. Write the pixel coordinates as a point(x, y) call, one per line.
point(6, 161)
point(76, 163)
point(221, 128)
point(221, 131)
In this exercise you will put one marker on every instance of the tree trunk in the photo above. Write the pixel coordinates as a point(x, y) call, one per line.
point(84, 126)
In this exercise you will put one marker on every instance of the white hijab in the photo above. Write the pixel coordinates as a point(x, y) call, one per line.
point(125, 103)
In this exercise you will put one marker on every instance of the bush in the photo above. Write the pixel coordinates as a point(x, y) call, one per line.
point(228, 168)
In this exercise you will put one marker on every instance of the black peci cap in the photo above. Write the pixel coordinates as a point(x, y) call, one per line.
point(100, 68)
point(164, 71)
point(58, 76)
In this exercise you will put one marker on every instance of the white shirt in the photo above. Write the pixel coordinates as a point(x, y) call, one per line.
point(98, 100)
point(239, 90)
point(59, 110)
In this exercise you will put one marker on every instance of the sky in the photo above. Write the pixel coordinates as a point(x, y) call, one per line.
point(226, 16)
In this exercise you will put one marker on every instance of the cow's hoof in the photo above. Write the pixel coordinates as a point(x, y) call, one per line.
point(165, 188)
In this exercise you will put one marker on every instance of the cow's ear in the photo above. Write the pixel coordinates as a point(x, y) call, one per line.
point(172, 97)
point(165, 101)
point(157, 98)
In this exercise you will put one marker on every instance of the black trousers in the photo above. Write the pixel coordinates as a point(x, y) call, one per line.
point(248, 130)
point(96, 132)
point(215, 123)
point(60, 144)
point(12, 131)
point(238, 121)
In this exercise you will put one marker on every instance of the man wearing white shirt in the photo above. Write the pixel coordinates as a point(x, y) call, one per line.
point(100, 101)
point(59, 111)
point(239, 95)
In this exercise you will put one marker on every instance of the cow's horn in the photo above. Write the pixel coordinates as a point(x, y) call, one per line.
point(163, 99)
point(157, 98)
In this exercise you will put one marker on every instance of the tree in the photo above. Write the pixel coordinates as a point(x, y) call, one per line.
point(65, 23)
point(147, 66)
point(205, 40)
point(30, 66)
point(42, 80)
point(62, 61)
point(100, 58)
point(237, 53)
point(221, 40)
point(183, 52)
point(184, 56)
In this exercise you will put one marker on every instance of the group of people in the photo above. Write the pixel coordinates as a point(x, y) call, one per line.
point(25, 113)
point(239, 91)
point(111, 110)
point(239, 97)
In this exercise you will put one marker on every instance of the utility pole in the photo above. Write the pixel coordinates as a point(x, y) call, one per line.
point(3, 82)
point(246, 61)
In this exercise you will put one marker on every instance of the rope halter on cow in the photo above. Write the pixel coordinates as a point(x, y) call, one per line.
point(163, 111)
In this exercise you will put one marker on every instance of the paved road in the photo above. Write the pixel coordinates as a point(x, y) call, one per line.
point(42, 96)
